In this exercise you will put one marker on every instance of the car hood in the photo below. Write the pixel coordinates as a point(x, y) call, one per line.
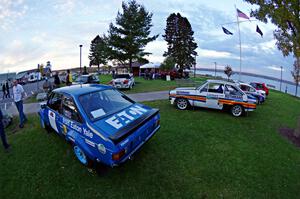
point(119, 124)
point(185, 88)
point(119, 80)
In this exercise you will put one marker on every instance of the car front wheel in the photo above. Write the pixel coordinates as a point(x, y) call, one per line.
point(237, 110)
point(182, 104)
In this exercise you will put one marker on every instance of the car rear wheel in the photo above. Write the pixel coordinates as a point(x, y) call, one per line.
point(182, 104)
point(237, 110)
point(81, 156)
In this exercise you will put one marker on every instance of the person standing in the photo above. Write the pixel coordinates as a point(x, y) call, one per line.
point(69, 79)
point(2, 133)
point(4, 90)
point(7, 90)
point(56, 80)
point(19, 93)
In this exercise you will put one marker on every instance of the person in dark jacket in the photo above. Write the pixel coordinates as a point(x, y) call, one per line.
point(56, 80)
point(2, 133)
point(4, 91)
point(7, 90)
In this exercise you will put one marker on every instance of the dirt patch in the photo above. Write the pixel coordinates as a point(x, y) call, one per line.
point(293, 135)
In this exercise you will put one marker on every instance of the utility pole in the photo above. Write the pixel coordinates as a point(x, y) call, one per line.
point(280, 77)
point(80, 46)
point(215, 69)
point(195, 66)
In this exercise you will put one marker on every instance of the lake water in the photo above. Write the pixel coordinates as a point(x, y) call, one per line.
point(290, 88)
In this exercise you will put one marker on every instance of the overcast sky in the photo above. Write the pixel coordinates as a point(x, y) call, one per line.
point(34, 32)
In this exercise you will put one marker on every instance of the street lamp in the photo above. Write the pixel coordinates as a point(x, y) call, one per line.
point(215, 69)
point(280, 77)
point(80, 46)
point(195, 66)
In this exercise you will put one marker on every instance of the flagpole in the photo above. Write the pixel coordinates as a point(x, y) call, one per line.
point(238, 24)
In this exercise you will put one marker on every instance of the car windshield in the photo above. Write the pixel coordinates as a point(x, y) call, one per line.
point(201, 84)
point(123, 76)
point(82, 79)
point(102, 103)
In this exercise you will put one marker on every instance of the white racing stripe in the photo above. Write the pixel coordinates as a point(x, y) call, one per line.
point(52, 121)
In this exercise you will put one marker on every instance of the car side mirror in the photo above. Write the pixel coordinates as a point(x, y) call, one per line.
point(43, 106)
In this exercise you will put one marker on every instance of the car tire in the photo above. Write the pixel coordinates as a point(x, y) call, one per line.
point(237, 110)
point(182, 104)
point(81, 156)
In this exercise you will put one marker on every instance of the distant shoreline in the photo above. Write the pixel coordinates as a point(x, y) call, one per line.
point(249, 74)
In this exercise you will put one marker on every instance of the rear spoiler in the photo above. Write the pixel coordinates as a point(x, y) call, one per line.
point(129, 129)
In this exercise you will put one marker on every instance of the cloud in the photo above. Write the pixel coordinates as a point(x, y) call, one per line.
point(215, 54)
point(65, 6)
point(277, 68)
point(11, 11)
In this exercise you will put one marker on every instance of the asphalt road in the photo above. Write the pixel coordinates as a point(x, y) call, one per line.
point(139, 97)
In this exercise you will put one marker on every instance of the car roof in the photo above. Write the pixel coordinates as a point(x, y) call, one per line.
point(77, 90)
point(220, 82)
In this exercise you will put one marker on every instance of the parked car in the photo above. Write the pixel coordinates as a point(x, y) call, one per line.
point(62, 76)
point(32, 77)
point(215, 94)
point(260, 95)
point(7, 118)
point(260, 86)
point(102, 124)
point(87, 79)
point(123, 81)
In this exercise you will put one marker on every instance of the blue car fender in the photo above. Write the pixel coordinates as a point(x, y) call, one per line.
point(43, 120)
point(81, 142)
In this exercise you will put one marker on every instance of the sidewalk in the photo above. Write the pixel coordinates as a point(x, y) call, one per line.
point(139, 97)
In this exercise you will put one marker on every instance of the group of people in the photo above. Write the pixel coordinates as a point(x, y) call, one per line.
point(5, 90)
point(18, 96)
point(149, 75)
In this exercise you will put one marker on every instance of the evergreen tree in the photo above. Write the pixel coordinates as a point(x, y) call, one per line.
point(99, 51)
point(180, 41)
point(130, 35)
point(168, 64)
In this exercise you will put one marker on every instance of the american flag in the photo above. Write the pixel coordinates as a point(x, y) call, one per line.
point(241, 14)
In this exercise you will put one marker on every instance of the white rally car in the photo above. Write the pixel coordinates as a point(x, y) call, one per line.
point(123, 81)
point(214, 94)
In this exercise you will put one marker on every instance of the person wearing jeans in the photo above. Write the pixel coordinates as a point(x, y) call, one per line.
point(18, 93)
point(2, 133)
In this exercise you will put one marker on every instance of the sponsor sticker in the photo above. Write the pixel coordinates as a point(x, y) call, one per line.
point(121, 119)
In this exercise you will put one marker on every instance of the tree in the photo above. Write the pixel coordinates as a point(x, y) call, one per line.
point(285, 15)
point(296, 74)
point(228, 71)
point(180, 41)
point(99, 51)
point(168, 64)
point(130, 35)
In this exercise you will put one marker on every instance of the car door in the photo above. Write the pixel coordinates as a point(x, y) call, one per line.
point(54, 104)
point(200, 99)
point(70, 117)
point(214, 93)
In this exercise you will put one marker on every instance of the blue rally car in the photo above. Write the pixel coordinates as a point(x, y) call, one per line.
point(103, 124)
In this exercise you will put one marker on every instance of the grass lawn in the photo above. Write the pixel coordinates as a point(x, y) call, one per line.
point(196, 154)
point(142, 85)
